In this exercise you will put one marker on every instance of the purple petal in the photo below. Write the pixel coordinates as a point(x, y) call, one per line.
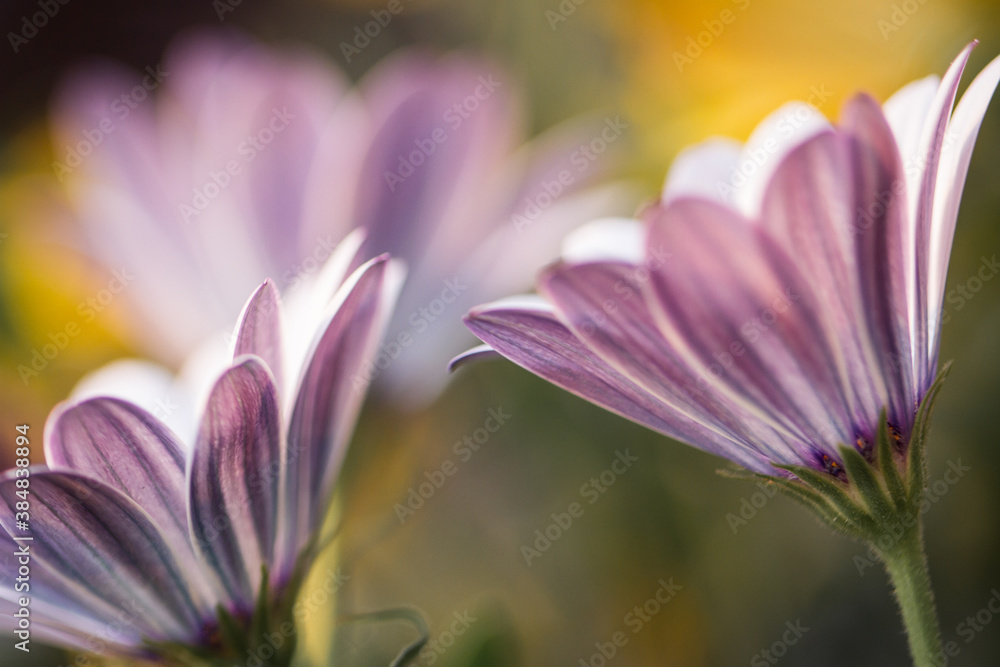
point(235, 101)
point(836, 206)
point(329, 396)
point(128, 449)
point(235, 474)
point(881, 251)
point(77, 632)
point(734, 305)
point(55, 600)
point(63, 611)
point(773, 138)
point(259, 329)
point(98, 538)
point(409, 187)
point(294, 114)
point(528, 333)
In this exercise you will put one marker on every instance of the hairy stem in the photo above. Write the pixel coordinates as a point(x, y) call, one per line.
point(907, 567)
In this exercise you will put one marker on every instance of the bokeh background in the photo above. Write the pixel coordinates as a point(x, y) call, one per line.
point(666, 517)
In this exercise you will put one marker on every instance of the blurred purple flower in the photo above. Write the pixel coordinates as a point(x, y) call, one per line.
point(780, 295)
point(252, 163)
point(138, 536)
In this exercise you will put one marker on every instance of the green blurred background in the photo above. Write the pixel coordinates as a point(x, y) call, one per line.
point(666, 517)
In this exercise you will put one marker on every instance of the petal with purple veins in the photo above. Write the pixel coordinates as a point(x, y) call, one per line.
point(528, 332)
point(235, 478)
point(64, 611)
point(729, 293)
point(882, 262)
point(101, 540)
point(258, 330)
point(125, 447)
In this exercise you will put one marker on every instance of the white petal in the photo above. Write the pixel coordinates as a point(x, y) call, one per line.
point(147, 385)
point(772, 139)
point(197, 377)
point(907, 112)
point(620, 239)
point(532, 302)
point(306, 303)
point(704, 170)
point(956, 152)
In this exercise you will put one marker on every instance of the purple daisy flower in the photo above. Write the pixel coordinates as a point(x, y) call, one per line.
point(143, 544)
point(780, 295)
point(247, 162)
point(780, 307)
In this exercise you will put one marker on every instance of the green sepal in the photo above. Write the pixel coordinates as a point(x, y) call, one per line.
point(880, 508)
point(741, 474)
point(835, 493)
point(176, 653)
point(821, 507)
point(862, 477)
point(232, 631)
point(887, 462)
point(827, 514)
point(260, 622)
point(916, 459)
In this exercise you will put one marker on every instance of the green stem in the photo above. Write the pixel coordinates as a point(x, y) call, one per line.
point(907, 567)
